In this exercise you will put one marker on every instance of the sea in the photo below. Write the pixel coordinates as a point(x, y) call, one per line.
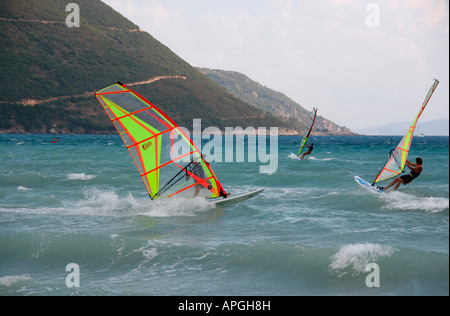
point(76, 220)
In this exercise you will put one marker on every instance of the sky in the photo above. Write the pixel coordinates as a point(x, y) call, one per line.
point(361, 63)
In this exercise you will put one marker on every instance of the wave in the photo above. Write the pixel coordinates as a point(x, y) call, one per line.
point(9, 280)
point(295, 157)
point(355, 257)
point(322, 159)
point(101, 202)
point(174, 266)
point(408, 202)
point(80, 176)
point(107, 202)
point(177, 207)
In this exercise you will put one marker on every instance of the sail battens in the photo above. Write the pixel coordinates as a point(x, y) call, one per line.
point(169, 162)
point(150, 138)
point(129, 114)
point(113, 92)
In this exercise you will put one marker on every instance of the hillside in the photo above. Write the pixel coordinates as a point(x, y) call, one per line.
point(272, 101)
point(50, 71)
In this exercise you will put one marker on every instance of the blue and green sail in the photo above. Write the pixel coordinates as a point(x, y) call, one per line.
point(397, 160)
point(153, 141)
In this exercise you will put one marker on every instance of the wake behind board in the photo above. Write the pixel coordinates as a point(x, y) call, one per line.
point(366, 184)
point(236, 199)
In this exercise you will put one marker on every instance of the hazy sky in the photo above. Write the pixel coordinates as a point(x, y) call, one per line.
point(361, 63)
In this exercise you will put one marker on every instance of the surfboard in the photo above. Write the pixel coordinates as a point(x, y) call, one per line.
point(235, 199)
point(366, 184)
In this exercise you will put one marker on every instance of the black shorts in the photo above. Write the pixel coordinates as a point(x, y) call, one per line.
point(407, 178)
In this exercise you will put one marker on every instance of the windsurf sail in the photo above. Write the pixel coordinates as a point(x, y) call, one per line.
point(309, 126)
point(168, 161)
point(397, 157)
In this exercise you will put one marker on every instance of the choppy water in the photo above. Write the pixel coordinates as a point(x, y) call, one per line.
point(312, 231)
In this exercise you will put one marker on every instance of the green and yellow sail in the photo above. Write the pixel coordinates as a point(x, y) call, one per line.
point(311, 120)
point(397, 160)
point(153, 141)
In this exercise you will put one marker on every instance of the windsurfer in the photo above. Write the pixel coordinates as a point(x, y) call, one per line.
point(198, 172)
point(309, 150)
point(416, 169)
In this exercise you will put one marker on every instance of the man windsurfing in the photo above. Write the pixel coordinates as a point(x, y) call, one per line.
point(198, 171)
point(310, 149)
point(416, 170)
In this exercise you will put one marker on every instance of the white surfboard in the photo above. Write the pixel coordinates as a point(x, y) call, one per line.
point(366, 184)
point(235, 199)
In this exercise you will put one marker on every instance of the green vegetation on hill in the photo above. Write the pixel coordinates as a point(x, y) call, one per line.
point(253, 93)
point(42, 60)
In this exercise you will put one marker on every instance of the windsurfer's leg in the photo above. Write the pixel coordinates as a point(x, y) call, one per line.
point(397, 185)
point(197, 190)
point(398, 180)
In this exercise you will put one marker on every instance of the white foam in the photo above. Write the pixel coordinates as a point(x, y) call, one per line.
point(293, 156)
point(176, 207)
point(80, 176)
point(100, 202)
point(105, 202)
point(322, 159)
point(405, 202)
point(357, 256)
point(148, 251)
point(21, 188)
point(11, 279)
point(109, 203)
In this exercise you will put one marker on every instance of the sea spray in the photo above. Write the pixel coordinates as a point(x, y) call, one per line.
point(354, 258)
point(80, 176)
point(410, 202)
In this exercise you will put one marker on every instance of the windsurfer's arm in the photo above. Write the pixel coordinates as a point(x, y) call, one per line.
point(411, 165)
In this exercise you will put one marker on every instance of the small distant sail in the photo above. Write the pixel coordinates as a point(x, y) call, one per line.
point(309, 127)
point(168, 162)
point(397, 159)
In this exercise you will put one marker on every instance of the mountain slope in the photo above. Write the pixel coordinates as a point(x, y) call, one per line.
point(50, 71)
point(272, 101)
